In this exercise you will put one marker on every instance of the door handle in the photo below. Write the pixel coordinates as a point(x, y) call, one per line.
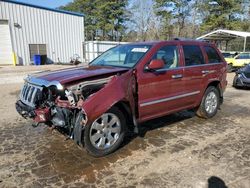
point(176, 76)
point(205, 71)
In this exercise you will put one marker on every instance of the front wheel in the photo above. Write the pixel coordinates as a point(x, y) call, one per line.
point(106, 133)
point(230, 67)
point(235, 82)
point(209, 104)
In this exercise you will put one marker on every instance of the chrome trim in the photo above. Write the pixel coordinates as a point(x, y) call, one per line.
point(203, 65)
point(177, 76)
point(183, 67)
point(28, 93)
point(41, 82)
point(169, 98)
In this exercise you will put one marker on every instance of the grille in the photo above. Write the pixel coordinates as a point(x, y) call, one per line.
point(28, 94)
point(247, 74)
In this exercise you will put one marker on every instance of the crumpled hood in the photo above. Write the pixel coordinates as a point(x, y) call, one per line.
point(65, 76)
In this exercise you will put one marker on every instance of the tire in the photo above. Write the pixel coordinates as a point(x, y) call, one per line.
point(102, 138)
point(235, 82)
point(230, 67)
point(209, 109)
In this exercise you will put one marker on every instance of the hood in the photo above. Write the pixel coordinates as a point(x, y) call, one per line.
point(65, 76)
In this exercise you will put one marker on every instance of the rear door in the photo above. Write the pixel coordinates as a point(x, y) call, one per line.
point(159, 91)
point(216, 67)
point(193, 73)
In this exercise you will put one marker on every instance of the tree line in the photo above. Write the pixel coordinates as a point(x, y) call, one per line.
point(141, 20)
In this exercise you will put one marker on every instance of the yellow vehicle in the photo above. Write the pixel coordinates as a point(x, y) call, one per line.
point(229, 58)
point(241, 60)
point(238, 61)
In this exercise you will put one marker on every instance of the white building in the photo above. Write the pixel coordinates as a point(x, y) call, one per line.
point(93, 49)
point(26, 30)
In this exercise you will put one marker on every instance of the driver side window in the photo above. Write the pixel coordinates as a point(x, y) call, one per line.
point(169, 54)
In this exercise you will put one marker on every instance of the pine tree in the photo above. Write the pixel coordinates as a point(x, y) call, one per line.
point(103, 19)
point(221, 14)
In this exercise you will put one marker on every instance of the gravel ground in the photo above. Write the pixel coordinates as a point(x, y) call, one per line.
point(180, 150)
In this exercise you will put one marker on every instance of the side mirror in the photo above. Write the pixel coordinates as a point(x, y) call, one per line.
point(156, 64)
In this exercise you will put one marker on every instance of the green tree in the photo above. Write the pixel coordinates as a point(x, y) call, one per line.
point(163, 10)
point(103, 19)
point(221, 14)
point(174, 16)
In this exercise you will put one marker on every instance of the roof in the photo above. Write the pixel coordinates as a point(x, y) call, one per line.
point(223, 34)
point(184, 42)
point(44, 8)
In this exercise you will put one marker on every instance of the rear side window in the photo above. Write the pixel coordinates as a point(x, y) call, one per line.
point(213, 56)
point(193, 55)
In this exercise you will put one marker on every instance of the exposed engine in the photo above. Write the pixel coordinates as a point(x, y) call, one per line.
point(60, 108)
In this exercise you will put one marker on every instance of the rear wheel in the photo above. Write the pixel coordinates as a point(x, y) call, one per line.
point(209, 104)
point(106, 133)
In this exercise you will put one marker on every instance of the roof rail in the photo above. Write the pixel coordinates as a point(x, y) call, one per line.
point(183, 39)
point(188, 39)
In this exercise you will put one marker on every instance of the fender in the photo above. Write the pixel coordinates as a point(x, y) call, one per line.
point(120, 88)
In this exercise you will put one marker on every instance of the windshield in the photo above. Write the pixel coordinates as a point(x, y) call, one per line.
point(122, 56)
point(246, 68)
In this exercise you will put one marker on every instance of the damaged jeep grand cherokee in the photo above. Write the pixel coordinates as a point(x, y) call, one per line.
point(123, 87)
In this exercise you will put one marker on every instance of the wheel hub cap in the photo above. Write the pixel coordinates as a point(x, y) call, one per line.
point(105, 131)
point(211, 102)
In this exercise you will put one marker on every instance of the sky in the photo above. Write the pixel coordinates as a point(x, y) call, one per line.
point(46, 3)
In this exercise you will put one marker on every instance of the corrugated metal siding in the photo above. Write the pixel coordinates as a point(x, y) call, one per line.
point(95, 48)
point(5, 45)
point(62, 33)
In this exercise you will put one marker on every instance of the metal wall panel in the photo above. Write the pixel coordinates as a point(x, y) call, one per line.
point(62, 33)
point(95, 48)
point(5, 45)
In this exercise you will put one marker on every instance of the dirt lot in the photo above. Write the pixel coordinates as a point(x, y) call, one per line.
point(179, 150)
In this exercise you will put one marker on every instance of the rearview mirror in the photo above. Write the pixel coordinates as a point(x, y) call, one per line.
point(156, 64)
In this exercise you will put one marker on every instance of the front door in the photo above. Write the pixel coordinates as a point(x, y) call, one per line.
point(159, 92)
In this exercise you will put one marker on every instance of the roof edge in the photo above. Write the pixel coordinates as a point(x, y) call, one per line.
point(44, 8)
point(243, 34)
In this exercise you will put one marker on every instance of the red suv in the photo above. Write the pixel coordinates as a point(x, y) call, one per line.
point(125, 86)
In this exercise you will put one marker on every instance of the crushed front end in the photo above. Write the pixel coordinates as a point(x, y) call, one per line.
point(52, 104)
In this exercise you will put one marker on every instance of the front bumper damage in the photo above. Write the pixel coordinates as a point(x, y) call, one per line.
point(24, 110)
point(38, 115)
point(76, 106)
point(59, 117)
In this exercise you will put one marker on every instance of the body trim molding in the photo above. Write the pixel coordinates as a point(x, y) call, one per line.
point(169, 98)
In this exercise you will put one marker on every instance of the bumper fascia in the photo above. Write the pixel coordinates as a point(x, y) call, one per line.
point(40, 115)
point(242, 82)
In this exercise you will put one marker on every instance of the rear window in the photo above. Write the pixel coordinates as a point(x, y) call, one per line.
point(193, 55)
point(213, 56)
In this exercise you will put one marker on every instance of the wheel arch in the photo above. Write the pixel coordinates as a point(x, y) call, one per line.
point(125, 108)
point(217, 84)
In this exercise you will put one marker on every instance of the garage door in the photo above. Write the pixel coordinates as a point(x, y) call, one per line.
point(5, 44)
